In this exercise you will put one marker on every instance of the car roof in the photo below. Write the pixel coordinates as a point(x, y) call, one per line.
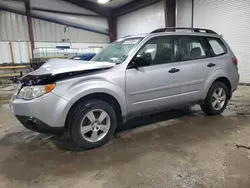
point(177, 31)
point(135, 36)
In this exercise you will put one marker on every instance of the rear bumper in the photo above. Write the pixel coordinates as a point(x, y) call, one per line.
point(37, 125)
point(235, 82)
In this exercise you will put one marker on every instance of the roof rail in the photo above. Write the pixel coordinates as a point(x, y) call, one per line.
point(127, 36)
point(171, 29)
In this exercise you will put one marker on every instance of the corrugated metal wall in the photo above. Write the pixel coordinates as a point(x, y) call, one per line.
point(96, 24)
point(20, 52)
point(93, 23)
point(14, 27)
point(48, 31)
point(143, 20)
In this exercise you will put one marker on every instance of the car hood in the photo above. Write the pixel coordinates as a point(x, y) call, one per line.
point(58, 66)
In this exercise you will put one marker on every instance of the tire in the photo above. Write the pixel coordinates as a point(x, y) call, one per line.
point(208, 106)
point(81, 116)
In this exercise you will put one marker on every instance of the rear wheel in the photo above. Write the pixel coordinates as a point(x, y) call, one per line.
point(217, 99)
point(93, 124)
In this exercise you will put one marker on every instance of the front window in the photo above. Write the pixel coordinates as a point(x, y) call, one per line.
point(159, 50)
point(118, 51)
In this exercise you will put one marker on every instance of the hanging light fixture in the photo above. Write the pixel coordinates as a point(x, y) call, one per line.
point(103, 1)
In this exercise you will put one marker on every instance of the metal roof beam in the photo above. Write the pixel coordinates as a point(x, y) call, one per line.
point(63, 12)
point(134, 5)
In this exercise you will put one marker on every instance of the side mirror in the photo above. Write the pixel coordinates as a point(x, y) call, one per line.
point(133, 65)
point(139, 61)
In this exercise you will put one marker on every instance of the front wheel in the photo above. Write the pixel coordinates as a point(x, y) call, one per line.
point(217, 99)
point(93, 124)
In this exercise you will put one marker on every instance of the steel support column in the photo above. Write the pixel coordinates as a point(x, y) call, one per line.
point(170, 13)
point(30, 28)
point(192, 21)
point(112, 23)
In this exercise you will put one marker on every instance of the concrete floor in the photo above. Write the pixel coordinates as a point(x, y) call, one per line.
point(183, 149)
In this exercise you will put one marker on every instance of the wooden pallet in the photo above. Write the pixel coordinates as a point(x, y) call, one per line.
point(12, 67)
point(11, 75)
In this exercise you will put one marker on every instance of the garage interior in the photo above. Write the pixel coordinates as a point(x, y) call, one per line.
point(181, 148)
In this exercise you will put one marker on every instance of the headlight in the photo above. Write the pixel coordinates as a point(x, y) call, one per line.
point(17, 89)
point(31, 92)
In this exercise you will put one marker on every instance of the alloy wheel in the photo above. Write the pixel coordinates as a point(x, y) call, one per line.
point(95, 125)
point(218, 98)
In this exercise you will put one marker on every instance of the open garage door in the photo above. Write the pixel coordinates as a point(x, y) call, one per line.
point(232, 20)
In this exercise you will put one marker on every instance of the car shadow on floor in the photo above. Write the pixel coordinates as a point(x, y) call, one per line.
point(35, 140)
point(154, 118)
point(63, 142)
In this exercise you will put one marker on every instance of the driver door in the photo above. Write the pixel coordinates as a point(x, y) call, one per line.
point(155, 83)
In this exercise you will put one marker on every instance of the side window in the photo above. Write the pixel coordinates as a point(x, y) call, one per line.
point(217, 46)
point(191, 47)
point(159, 50)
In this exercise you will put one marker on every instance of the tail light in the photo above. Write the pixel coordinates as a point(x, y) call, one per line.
point(235, 61)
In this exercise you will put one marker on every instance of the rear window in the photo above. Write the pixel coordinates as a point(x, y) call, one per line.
point(218, 47)
point(191, 47)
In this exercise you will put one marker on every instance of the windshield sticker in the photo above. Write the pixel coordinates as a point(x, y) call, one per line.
point(130, 41)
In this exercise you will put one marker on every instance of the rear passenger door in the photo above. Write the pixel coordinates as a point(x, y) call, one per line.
point(196, 66)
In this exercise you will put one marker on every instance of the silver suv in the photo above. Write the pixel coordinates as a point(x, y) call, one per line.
point(136, 75)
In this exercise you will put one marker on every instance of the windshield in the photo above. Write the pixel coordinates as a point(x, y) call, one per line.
point(118, 51)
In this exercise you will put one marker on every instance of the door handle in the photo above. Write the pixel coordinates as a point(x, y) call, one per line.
point(211, 65)
point(174, 70)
